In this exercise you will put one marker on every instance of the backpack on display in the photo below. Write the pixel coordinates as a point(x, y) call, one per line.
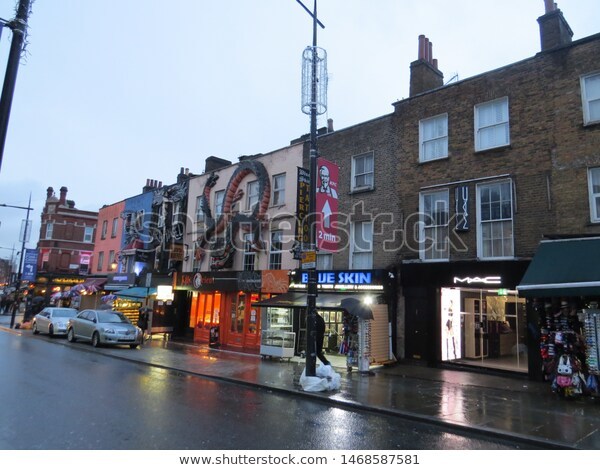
point(564, 372)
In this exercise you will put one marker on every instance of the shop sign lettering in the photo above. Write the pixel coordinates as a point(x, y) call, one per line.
point(478, 280)
point(343, 277)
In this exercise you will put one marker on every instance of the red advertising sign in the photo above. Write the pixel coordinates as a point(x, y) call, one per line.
point(327, 204)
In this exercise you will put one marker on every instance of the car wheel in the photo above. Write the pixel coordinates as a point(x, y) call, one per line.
point(71, 336)
point(34, 329)
point(51, 330)
point(96, 339)
point(133, 346)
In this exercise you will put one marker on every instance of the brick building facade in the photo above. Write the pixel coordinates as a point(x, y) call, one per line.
point(467, 179)
point(65, 245)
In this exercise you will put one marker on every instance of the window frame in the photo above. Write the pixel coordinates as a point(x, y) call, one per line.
point(423, 141)
point(251, 195)
point(249, 259)
point(111, 259)
point(276, 250)
point(324, 261)
point(355, 175)
point(114, 228)
point(88, 234)
point(481, 249)
point(219, 204)
point(104, 230)
point(199, 207)
point(49, 230)
point(585, 101)
point(100, 262)
point(506, 124)
point(594, 198)
point(439, 230)
point(278, 193)
point(355, 250)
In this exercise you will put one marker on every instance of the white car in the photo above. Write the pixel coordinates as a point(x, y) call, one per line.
point(52, 320)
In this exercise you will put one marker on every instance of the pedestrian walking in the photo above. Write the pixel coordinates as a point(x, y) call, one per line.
point(320, 329)
point(143, 321)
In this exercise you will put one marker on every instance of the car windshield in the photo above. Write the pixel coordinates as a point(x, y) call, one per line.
point(112, 317)
point(64, 312)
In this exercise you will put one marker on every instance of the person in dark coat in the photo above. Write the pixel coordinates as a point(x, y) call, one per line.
point(143, 321)
point(320, 331)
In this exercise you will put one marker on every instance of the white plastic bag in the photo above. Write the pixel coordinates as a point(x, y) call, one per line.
point(326, 379)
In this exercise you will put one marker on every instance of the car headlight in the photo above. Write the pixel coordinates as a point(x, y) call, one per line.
point(109, 330)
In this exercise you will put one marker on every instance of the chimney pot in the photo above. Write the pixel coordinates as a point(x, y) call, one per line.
point(421, 54)
point(429, 51)
point(550, 5)
point(63, 195)
point(329, 125)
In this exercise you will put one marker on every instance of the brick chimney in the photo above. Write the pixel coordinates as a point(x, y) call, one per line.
point(49, 192)
point(63, 196)
point(213, 163)
point(424, 73)
point(554, 29)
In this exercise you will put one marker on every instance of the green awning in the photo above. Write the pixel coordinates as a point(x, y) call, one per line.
point(566, 267)
point(136, 292)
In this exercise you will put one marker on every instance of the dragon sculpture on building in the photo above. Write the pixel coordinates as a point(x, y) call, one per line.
point(218, 237)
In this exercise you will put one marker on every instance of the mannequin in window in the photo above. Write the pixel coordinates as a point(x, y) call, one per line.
point(450, 332)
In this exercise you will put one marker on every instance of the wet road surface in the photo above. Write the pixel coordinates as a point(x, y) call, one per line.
point(55, 396)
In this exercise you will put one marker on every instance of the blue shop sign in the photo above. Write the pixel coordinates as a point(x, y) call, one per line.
point(341, 277)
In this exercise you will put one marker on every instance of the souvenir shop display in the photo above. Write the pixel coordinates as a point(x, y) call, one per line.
point(592, 350)
point(565, 348)
point(349, 345)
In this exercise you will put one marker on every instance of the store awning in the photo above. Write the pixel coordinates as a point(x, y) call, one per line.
point(94, 284)
point(566, 267)
point(136, 292)
point(113, 287)
point(298, 299)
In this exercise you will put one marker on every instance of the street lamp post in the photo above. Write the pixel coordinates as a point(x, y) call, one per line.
point(19, 272)
point(19, 29)
point(311, 106)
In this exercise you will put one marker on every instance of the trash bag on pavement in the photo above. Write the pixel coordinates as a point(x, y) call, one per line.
point(326, 379)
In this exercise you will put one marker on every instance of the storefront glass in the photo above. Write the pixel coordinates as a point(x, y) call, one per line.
point(485, 328)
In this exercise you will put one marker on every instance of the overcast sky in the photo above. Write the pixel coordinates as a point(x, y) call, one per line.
point(111, 93)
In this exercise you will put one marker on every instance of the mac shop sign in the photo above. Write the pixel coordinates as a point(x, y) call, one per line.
point(345, 278)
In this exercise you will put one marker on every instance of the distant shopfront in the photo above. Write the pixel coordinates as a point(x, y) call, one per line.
point(224, 301)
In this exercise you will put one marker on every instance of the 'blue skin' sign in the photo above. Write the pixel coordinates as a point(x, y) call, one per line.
point(342, 277)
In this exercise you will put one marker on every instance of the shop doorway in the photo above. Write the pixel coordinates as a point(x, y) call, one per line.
point(243, 328)
point(484, 328)
point(205, 313)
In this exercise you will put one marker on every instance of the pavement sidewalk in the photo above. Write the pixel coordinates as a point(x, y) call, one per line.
point(493, 405)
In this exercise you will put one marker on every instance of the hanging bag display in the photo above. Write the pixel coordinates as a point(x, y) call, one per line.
point(564, 372)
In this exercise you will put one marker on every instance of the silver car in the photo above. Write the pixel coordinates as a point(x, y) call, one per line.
point(103, 327)
point(52, 320)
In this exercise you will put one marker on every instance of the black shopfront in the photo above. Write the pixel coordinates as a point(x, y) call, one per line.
point(466, 313)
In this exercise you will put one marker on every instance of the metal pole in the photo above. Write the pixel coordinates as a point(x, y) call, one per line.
point(19, 274)
point(19, 29)
point(312, 288)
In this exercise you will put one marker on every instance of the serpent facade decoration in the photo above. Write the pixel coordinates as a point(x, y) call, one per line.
point(218, 237)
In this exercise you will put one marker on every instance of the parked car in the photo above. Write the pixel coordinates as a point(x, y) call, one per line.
point(52, 320)
point(103, 327)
